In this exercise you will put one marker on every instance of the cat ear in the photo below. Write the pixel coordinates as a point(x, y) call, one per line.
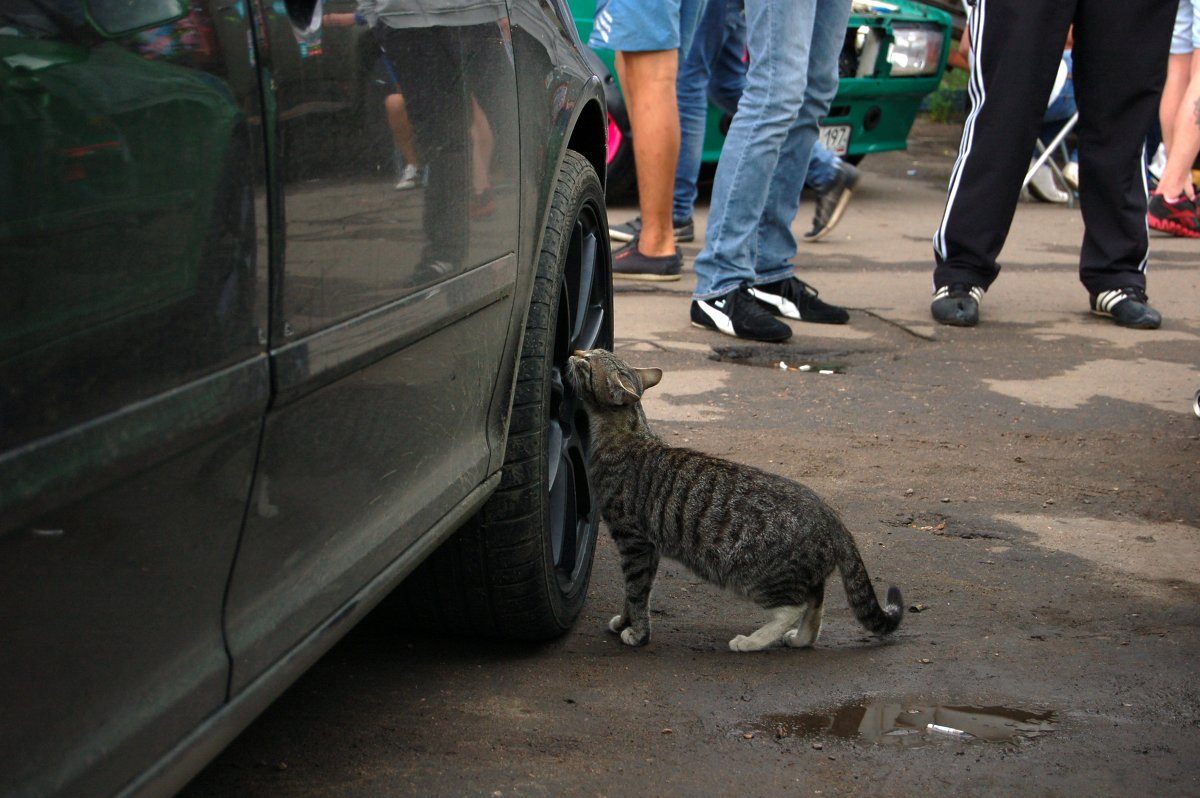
point(650, 377)
point(625, 392)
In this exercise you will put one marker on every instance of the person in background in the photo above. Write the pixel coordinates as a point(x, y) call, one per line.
point(714, 71)
point(1017, 47)
point(648, 36)
point(1172, 206)
point(1042, 185)
point(744, 274)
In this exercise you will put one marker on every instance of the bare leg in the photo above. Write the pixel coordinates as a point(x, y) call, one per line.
point(648, 82)
point(1185, 141)
point(483, 144)
point(402, 133)
point(782, 619)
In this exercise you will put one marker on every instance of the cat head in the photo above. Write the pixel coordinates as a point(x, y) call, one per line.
point(604, 379)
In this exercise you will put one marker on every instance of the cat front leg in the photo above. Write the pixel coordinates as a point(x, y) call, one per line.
point(639, 564)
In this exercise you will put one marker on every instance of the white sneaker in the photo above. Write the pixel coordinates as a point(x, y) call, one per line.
point(1158, 163)
point(1045, 187)
point(409, 178)
point(1071, 175)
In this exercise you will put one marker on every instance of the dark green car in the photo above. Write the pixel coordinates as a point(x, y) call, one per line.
point(254, 374)
point(894, 54)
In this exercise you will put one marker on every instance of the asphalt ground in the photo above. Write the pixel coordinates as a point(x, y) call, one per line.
point(1031, 484)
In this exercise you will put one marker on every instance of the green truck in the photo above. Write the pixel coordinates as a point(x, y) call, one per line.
point(893, 56)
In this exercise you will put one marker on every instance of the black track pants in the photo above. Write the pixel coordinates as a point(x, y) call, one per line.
point(1120, 58)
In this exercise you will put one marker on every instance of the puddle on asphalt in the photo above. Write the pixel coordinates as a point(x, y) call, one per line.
point(898, 724)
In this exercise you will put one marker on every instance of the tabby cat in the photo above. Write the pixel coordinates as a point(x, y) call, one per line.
point(763, 536)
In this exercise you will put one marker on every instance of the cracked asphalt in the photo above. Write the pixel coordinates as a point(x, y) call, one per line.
point(1031, 485)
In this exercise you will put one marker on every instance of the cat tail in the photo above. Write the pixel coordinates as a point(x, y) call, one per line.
point(861, 596)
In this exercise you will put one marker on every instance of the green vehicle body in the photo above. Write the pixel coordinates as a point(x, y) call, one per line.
point(878, 107)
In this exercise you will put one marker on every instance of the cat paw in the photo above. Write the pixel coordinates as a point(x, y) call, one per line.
point(631, 638)
point(744, 643)
point(617, 624)
point(794, 639)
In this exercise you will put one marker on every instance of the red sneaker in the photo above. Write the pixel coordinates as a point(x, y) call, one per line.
point(1177, 217)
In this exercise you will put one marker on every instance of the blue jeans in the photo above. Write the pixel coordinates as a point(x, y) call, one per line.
point(823, 167)
point(792, 79)
point(714, 72)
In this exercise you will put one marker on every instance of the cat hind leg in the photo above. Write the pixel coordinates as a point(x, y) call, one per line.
point(771, 633)
point(804, 634)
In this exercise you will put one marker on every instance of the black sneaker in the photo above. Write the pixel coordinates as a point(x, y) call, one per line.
point(797, 300)
point(684, 231)
point(957, 304)
point(630, 264)
point(832, 202)
point(1128, 307)
point(739, 314)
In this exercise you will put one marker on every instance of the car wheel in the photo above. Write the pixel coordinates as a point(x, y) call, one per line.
point(520, 568)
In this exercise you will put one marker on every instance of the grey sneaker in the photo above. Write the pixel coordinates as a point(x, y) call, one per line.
point(957, 305)
point(626, 231)
point(832, 202)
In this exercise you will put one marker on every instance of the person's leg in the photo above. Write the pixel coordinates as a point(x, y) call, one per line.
point(776, 245)
point(778, 35)
point(1017, 46)
point(1179, 71)
point(402, 135)
point(822, 167)
point(691, 92)
point(1117, 103)
point(648, 83)
point(728, 79)
point(1181, 155)
point(1172, 207)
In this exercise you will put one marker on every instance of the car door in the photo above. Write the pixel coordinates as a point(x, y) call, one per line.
point(133, 379)
point(391, 298)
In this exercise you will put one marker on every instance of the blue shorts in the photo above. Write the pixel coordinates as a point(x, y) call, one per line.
point(1186, 37)
point(634, 26)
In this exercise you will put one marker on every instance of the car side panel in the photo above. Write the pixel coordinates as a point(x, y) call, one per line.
point(390, 307)
point(133, 380)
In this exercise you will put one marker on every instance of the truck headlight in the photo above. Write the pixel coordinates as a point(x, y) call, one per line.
point(917, 50)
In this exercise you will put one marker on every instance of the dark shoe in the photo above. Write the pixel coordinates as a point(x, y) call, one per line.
point(957, 305)
point(685, 231)
point(1177, 217)
point(630, 264)
point(832, 202)
point(797, 300)
point(739, 314)
point(627, 231)
point(1128, 307)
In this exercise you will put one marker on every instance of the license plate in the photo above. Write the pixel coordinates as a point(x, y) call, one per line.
point(836, 138)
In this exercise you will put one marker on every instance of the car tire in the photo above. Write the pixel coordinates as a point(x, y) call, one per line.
point(520, 568)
